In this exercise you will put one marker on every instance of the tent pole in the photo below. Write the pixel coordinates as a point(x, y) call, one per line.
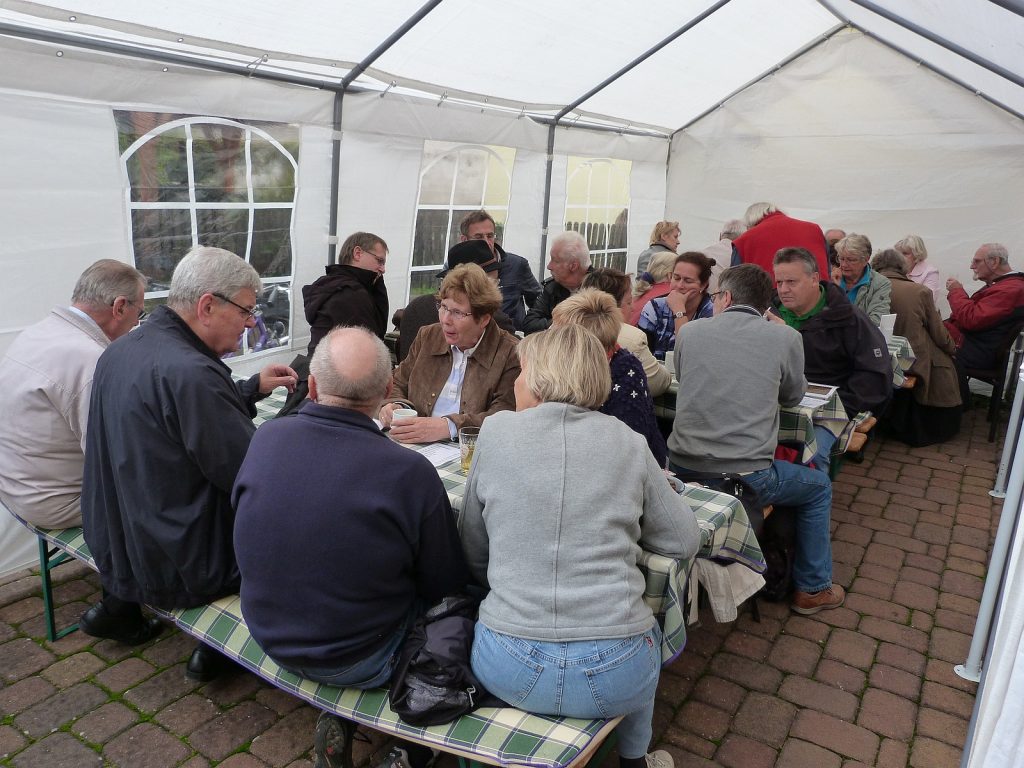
point(548, 167)
point(941, 42)
point(1013, 6)
point(391, 39)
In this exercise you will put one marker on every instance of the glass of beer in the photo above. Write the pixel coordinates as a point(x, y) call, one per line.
point(467, 444)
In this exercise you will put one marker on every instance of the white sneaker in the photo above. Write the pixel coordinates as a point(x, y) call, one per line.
point(660, 759)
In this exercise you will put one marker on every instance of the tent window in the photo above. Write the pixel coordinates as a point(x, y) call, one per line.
point(218, 182)
point(597, 206)
point(454, 180)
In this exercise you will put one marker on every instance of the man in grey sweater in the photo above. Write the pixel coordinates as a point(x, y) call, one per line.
point(733, 374)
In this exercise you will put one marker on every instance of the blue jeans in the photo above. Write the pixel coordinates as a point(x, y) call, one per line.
point(810, 492)
point(824, 440)
point(582, 678)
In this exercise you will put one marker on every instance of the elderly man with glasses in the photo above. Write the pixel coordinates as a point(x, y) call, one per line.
point(168, 430)
point(459, 370)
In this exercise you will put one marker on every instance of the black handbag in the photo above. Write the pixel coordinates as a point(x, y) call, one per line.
point(433, 683)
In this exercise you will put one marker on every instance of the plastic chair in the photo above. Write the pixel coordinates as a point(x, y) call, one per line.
point(997, 376)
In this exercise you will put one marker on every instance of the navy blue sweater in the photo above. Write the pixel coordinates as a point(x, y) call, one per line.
point(338, 531)
point(631, 403)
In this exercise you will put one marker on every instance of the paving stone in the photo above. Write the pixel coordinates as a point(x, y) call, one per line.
point(942, 726)
point(948, 645)
point(854, 534)
point(851, 648)
point(76, 642)
point(807, 628)
point(242, 760)
point(927, 576)
point(795, 655)
point(703, 643)
point(161, 689)
point(21, 610)
point(873, 606)
point(10, 740)
point(719, 693)
point(73, 669)
point(63, 616)
point(708, 722)
point(767, 628)
point(972, 537)
point(942, 672)
point(884, 555)
point(916, 596)
point(742, 644)
point(845, 552)
point(871, 588)
point(23, 694)
point(892, 754)
point(58, 750)
point(280, 701)
point(691, 742)
point(60, 708)
point(835, 735)
point(125, 674)
point(933, 534)
point(22, 585)
point(101, 724)
point(884, 573)
point(288, 739)
point(172, 647)
point(237, 684)
point(803, 754)
point(187, 713)
point(681, 758)
point(674, 689)
point(145, 746)
point(967, 566)
point(765, 718)
point(964, 552)
point(964, 584)
point(955, 620)
point(842, 676)
point(747, 673)
point(946, 699)
point(228, 731)
point(71, 591)
point(887, 714)
point(22, 658)
point(889, 631)
point(928, 753)
point(812, 694)
point(838, 617)
point(741, 752)
point(895, 681)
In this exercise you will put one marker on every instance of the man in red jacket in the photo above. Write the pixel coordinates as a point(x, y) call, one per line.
point(979, 323)
point(768, 230)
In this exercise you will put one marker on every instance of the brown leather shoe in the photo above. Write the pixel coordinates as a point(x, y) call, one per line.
point(807, 603)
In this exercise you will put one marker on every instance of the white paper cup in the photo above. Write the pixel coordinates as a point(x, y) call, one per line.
point(403, 413)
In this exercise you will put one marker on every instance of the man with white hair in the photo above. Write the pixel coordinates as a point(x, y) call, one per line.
point(569, 264)
point(721, 251)
point(327, 486)
point(168, 429)
point(980, 322)
point(46, 378)
point(769, 229)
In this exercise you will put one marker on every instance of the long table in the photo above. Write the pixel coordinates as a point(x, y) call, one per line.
point(725, 534)
point(901, 354)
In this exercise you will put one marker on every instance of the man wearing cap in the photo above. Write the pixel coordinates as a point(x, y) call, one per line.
point(422, 310)
point(519, 286)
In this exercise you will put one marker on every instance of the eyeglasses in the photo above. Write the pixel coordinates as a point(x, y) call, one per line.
point(483, 236)
point(381, 260)
point(850, 259)
point(457, 314)
point(252, 312)
point(716, 294)
point(142, 308)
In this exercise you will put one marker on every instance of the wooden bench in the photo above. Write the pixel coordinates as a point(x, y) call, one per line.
point(492, 736)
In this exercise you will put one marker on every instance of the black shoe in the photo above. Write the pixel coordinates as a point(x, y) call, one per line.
point(332, 742)
point(98, 622)
point(205, 664)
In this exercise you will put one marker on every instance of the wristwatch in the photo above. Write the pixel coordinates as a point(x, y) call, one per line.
point(679, 315)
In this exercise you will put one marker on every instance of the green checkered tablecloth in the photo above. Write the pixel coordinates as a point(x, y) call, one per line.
point(725, 533)
point(500, 736)
point(902, 357)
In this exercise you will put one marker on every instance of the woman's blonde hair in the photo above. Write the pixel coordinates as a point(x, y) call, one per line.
point(566, 364)
point(470, 281)
point(659, 268)
point(661, 229)
point(596, 311)
point(855, 245)
point(915, 245)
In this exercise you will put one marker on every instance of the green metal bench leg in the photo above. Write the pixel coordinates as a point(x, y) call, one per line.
point(48, 560)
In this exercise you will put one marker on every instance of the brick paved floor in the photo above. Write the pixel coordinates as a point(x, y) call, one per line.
point(871, 683)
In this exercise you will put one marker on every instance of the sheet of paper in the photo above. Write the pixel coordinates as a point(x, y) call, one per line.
point(439, 454)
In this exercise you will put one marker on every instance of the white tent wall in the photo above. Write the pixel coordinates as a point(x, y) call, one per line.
point(855, 135)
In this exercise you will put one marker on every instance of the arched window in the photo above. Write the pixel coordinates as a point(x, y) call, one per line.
point(597, 206)
point(218, 182)
point(454, 180)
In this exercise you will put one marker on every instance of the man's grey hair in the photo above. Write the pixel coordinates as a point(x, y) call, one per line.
point(732, 229)
point(571, 246)
point(105, 281)
point(889, 258)
point(758, 211)
point(748, 284)
point(368, 388)
point(797, 256)
point(210, 270)
point(997, 251)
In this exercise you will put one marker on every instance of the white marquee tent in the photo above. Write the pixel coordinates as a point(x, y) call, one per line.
point(886, 117)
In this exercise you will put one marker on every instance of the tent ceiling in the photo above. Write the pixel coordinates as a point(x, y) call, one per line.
point(538, 57)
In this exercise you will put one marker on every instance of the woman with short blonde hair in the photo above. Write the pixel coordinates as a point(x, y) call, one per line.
point(913, 250)
point(547, 483)
point(664, 237)
point(630, 398)
point(652, 284)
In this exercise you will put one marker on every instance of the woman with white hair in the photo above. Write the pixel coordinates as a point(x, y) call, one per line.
point(864, 287)
point(913, 250)
point(557, 488)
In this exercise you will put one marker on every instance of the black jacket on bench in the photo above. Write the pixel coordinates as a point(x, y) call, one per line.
point(168, 429)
